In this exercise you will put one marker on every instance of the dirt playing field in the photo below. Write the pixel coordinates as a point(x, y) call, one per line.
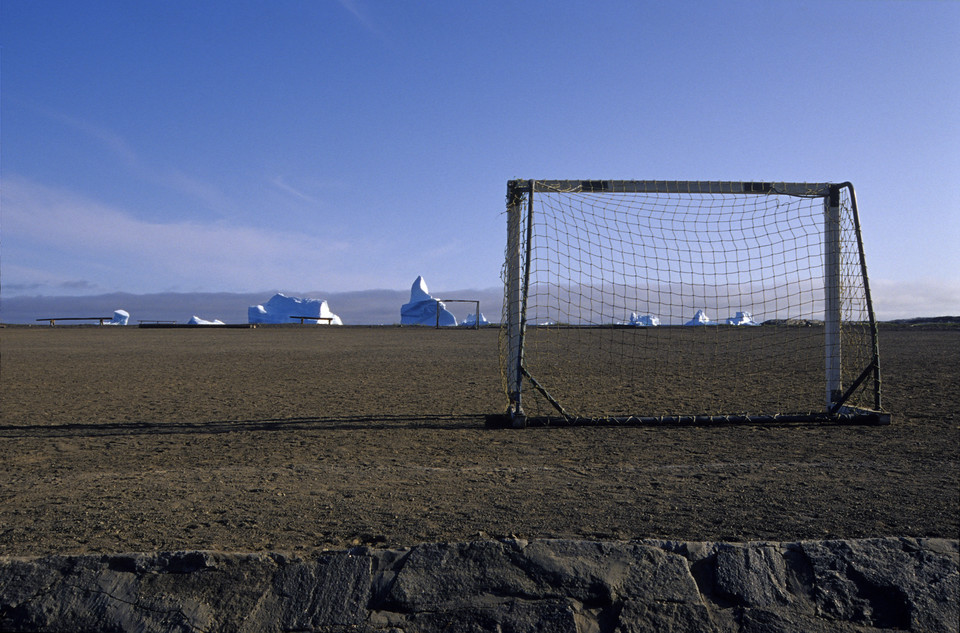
point(120, 439)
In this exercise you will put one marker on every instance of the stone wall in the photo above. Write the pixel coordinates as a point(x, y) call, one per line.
point(498, 585)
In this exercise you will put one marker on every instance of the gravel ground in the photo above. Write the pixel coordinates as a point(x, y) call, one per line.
point(301, 439)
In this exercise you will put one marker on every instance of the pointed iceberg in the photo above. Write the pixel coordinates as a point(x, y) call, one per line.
point(471, 320)
point(700, 318)
point(422, 309)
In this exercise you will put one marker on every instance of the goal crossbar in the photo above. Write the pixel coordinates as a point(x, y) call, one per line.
point(671, 186)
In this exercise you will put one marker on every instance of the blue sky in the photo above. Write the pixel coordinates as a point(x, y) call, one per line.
point(236, 146)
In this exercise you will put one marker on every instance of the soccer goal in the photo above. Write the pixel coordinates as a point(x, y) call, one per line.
point(652, 302)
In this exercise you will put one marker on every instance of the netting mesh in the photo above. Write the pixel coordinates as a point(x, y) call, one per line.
point(652, 304)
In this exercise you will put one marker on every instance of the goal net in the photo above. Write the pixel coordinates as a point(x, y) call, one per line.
point(658, 302)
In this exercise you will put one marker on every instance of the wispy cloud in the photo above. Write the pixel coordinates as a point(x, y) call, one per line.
point(208, 195)
point(106, 138)
point(174, 179)
point(282, 185)
point(916, 298)
point(77, 285)
point(355, 8)
point(55, 237)
point(36, 277)
point(21, 288)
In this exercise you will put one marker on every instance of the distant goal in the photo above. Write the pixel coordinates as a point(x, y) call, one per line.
point(658, 302)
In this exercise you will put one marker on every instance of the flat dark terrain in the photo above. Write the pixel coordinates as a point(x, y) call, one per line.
point(119, 439)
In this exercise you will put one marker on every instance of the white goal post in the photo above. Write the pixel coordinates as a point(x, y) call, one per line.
point(610, 284)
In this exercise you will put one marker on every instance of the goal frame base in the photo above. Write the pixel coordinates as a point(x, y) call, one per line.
point(849, 416)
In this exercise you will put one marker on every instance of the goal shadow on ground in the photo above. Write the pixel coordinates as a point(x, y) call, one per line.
point(387, 422)
point(333, 423)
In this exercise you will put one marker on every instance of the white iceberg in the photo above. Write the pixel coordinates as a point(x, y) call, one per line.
point(422, 308)
point(646, 320)
point(120, 317)
point(700, 318)
point(280, 309)
point(742, 318)
point(195, 320)
point(471, 320)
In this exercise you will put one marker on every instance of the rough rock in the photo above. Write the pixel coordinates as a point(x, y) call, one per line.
point(898, 584)
point(891, 584)
point(752, 576)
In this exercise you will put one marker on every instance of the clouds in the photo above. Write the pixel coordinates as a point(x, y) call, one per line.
point(60, 240)
point(282, 185)
point(67, 287)
point(894, 299)
point(117, 152)
point(354, 145)
point(360, 14)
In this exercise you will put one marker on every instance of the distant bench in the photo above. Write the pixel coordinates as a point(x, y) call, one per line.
point(53, 320)
point(329, 320)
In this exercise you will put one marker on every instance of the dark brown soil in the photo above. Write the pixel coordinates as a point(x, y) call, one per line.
point(307, 438)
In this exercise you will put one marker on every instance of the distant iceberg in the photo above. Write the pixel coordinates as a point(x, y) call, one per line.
point(280, 309)
point(700, 318)
point(471, 320)
point(422, 308)
point(120, 317)
point(646, 320)
point(195, 320)
point(742, 318)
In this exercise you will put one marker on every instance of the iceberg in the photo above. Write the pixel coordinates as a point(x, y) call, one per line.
point(195, 320)
point(471, 320)
point(700, 318)
point(422, 309)
point(742, 318)
point(120, 317)
point(646, 320)
point(280, 309)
